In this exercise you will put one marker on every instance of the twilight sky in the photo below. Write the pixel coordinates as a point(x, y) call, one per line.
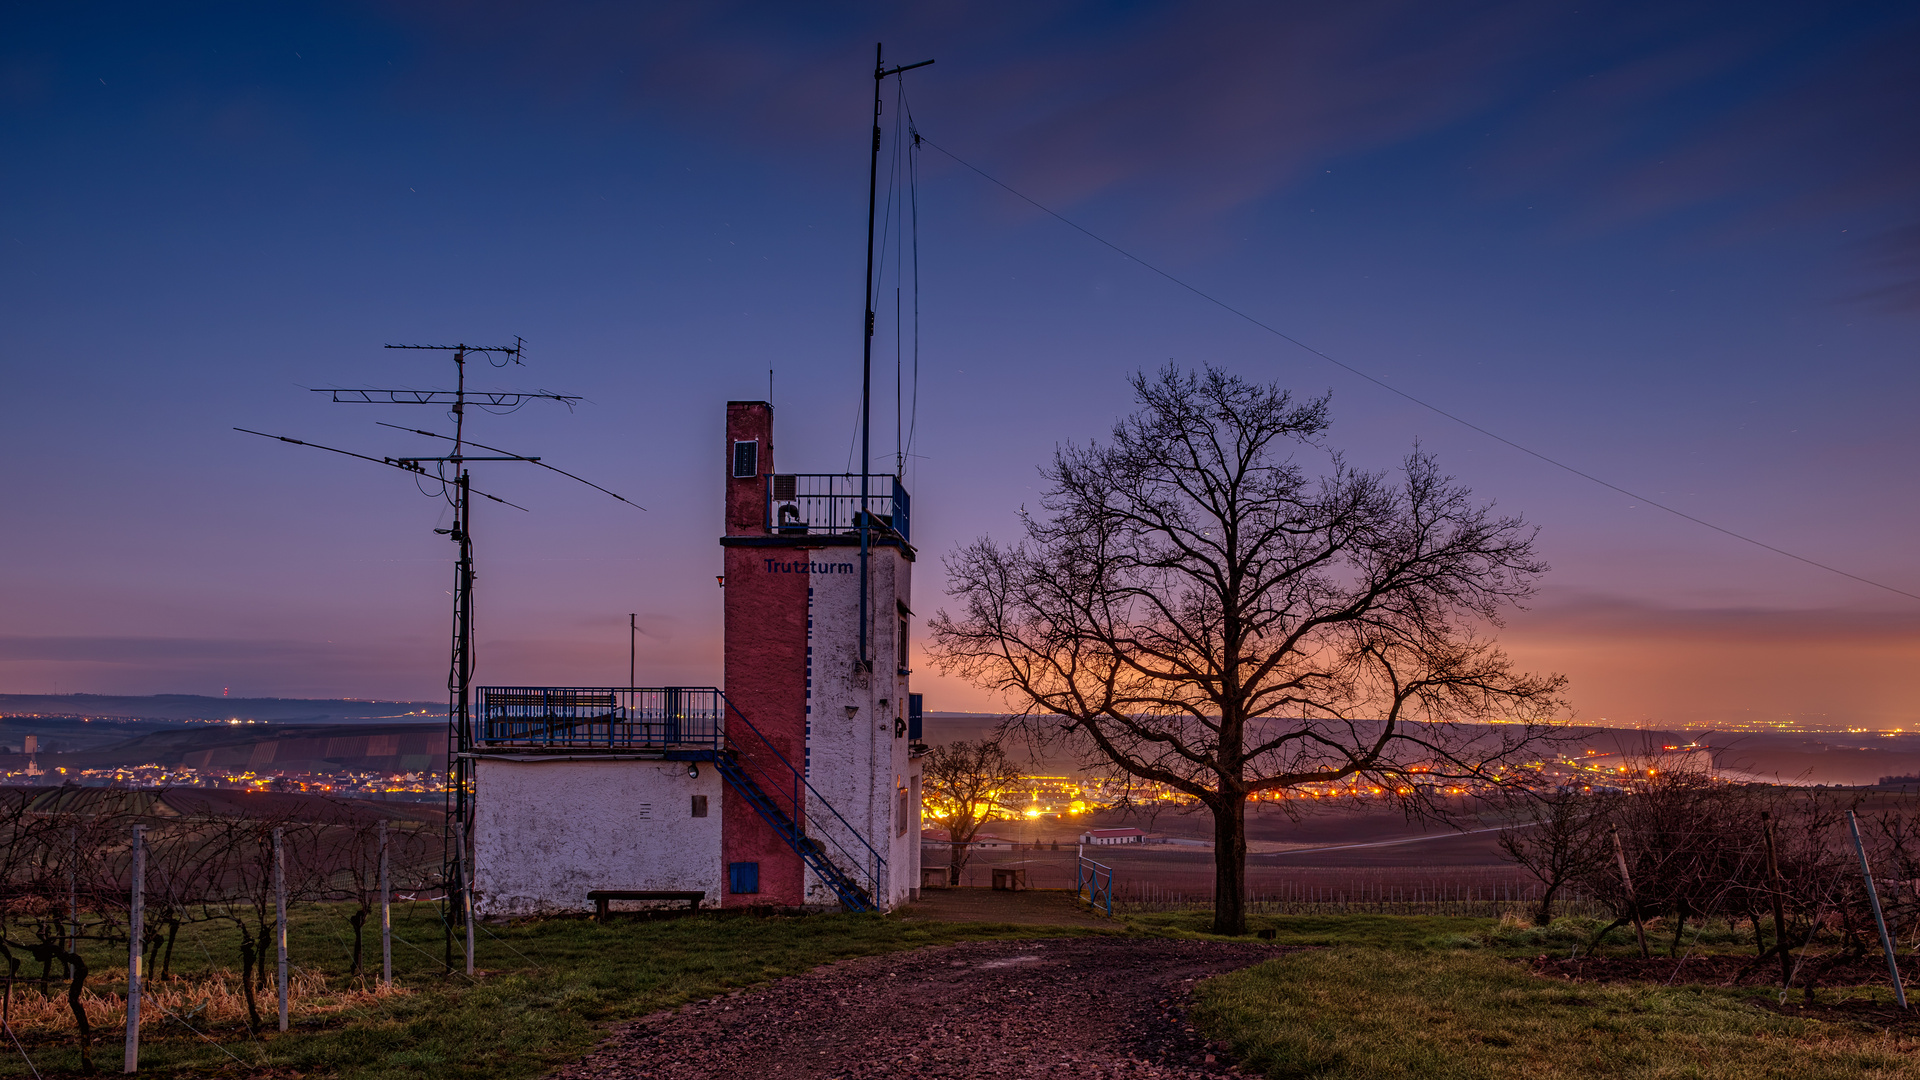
point(1675, 246)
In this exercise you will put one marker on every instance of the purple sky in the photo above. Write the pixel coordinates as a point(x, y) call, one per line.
point(1677, 246)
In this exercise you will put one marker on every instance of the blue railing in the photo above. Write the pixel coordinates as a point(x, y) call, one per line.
point(601, 718)
point(1094, 882)
point(808, 504)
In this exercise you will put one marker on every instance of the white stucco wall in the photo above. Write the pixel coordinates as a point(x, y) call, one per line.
point(860, 764)
point(547, 832)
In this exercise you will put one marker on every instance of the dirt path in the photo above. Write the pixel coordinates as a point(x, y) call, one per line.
point(1035, 907)
point(1072, 1007)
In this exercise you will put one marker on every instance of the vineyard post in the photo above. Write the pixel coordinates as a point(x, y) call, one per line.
point(1633, 901)
point(1879, 920)
point(73, 895)
point(280, 917)
point(386, 915)
point(136, 932)
point(1775, 887)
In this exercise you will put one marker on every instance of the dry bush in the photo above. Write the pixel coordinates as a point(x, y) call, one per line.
point(203, 1002)
point(1696, 850)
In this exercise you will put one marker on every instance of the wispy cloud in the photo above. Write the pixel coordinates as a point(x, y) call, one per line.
point(1637, 663)
point(1634, 112)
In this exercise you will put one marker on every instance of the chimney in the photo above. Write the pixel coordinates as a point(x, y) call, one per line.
point(749, 461)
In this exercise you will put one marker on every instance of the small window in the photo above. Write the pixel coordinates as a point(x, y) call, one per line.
point(699, 806)
point(900, 819)
point(746, 458)
point(743, 877)
point(903, 646)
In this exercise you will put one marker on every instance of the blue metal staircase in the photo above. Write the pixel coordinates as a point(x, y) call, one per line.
point(853, 896)
point(780, 794)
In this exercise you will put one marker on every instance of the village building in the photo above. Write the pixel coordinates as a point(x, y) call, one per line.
point(1103, 837)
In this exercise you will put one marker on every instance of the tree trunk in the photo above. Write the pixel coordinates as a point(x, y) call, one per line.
point(166, 963)
point(246, 981)
point(1230, 864)
point(261, 967)
point(156, 939)
point(359, 921)
point(1544, 916)
point(13, 969)
point(957, 856)
point(75, 984)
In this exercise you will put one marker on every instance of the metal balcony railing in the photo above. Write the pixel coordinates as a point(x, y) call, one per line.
point(601, 718)
point(698, 723)
point(812, 504)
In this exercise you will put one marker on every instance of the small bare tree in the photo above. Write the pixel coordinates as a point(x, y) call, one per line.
point(1196, 609)
point(1567, 842)
point(343, 866)
point(968, 782)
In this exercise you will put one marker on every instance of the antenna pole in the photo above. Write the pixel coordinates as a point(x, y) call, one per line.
point(862, 517)
point(457, 899)
point(866, 359)
point(460, 675)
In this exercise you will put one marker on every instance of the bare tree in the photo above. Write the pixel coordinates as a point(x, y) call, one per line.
point(342, 866)
point(1692, 845)
point(968, 783)
point(1194, 609)
point(35, 854)
point(1567, 842)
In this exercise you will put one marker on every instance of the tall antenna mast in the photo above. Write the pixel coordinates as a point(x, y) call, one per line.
point(459, 486)
point(864, 518)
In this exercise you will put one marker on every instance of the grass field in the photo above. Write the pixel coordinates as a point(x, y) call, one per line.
point(544, 992)
point(1382, 1014)
point(1375, 996)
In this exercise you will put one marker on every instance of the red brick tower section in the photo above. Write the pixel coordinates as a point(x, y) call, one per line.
point(766, 654)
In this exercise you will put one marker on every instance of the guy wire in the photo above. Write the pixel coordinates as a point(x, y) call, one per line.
point(1429, 406)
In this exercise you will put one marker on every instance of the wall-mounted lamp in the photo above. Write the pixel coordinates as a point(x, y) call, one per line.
point(693, 770)
point(721, 580)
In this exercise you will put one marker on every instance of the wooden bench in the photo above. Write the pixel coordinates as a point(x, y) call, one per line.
point(602, 897)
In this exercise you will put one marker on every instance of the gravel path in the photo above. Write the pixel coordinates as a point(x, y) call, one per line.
point(1073, 1007)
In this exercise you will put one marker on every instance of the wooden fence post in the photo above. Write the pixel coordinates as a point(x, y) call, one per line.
point(280, 917)
point(73, 896)
point(1633, 899)
point(136, 946)
point(386, 915)
point(1879, 920)
point(1779, 910)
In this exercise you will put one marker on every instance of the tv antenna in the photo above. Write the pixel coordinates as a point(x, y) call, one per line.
point(459, 491)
